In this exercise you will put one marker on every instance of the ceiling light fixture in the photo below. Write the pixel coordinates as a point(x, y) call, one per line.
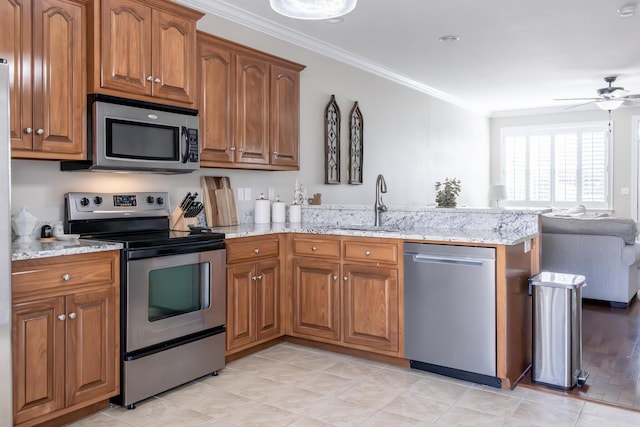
point(310, 9)
point(449, 38)
point(609, 104)
point(628, 10)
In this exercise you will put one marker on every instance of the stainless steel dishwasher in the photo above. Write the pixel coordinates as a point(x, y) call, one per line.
point(450, 311)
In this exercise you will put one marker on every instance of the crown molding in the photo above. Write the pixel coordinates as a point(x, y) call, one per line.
point(232, 13)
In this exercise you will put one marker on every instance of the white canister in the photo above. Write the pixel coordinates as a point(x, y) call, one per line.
point(262, 212)
point(295, 213)
point(278, 211)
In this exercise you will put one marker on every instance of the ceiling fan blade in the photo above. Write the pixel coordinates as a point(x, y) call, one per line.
point(632, 96)
point(618, 93)
point(577, 99)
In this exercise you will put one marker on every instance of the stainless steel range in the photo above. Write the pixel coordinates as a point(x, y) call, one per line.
point(172, 290)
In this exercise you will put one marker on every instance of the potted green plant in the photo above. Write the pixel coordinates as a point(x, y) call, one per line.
point(446, 192)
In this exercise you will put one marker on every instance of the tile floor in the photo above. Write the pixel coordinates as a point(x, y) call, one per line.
point(291, 385)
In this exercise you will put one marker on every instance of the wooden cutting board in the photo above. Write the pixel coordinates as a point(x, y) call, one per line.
point(219, 201)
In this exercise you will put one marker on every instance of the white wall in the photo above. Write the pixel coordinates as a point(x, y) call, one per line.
point(411, 138)
point(622, 146)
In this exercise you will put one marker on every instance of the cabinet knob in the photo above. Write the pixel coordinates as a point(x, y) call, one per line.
point(259, 277)
point(232, 148)
point(275, 154)
point(335, 278)
point(256, 250)
point(62, 317)
point(367, 253)
point(66, 277)
point(240, 149)
point(40, 131)
point(149, 78)
point(157, 80)
point(313, 248)
point(345, 278)
point(28, 130)
point(254, 278)
point(72, 315)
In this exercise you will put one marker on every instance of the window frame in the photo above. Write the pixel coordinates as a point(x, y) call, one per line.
point(554, 128)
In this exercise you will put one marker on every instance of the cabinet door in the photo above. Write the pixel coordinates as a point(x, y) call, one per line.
point(371, 307)
point(59, 77)
point(173, 56)
point(15, 47)
point(215, 74)
point(38, 358)
point(240, 306)
point(285, 116)
point(268, 323)
point(91, 333)
point(252, 110)
point(316, 298)
point(126, 47)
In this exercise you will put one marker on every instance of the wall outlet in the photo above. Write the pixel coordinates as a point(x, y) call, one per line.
point(240, 194)
point(272, 193)
point(624, 191)
point(247, 194)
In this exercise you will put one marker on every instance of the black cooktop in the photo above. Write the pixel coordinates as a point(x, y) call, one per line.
point(158, 238)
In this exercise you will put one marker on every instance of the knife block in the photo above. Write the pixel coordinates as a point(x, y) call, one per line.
point(179, 222)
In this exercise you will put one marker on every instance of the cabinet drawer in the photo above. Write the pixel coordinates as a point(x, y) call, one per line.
point(326, 248)
point(371, 251)
point(32, 277)
point(252, 249)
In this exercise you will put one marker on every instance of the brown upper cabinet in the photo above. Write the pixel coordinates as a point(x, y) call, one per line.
point(144, 50)
point(249, 107)
point(44, 42)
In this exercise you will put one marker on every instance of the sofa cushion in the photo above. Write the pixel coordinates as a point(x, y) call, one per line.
point(624, 228)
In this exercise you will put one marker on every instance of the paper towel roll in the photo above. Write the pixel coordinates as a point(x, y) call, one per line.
point(262, 211)
point(278, 212)
point(295, 213)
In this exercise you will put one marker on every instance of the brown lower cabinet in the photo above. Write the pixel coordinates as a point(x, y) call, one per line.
point(346, 291)
point(253, 292)
point(64, 334)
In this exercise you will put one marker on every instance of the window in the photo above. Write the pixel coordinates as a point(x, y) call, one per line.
point(557, 165)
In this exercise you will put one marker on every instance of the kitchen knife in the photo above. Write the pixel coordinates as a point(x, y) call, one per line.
point(183, 204)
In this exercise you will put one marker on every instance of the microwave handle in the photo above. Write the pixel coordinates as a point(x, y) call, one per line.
point(185, 141)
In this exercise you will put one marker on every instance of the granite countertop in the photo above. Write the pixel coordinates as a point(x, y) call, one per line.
point(39, 249)
point(450, 235)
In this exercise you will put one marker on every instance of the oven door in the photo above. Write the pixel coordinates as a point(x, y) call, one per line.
point(172, 296)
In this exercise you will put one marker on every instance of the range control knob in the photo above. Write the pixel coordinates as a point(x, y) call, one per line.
point(97, 200)
point(150, 199)
point(84, 202)
point(160, 200)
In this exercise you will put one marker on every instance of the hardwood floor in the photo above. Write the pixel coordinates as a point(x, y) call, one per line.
point(611, 354)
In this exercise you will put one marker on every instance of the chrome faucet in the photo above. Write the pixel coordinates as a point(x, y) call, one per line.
point(379, 206)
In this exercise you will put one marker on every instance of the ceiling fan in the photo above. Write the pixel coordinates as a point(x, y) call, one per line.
point(609, 98)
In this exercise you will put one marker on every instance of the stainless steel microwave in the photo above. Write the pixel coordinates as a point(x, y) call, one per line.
point(137, 136)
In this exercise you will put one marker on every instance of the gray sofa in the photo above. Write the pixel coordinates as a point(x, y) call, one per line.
point(604, 250)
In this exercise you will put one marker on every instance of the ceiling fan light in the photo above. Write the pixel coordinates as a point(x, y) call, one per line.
point(609, 104)
point(310, 9)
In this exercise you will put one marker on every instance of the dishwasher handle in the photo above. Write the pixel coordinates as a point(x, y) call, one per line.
point(473, 262)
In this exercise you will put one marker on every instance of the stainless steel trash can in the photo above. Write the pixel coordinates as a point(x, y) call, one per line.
point(557, 330)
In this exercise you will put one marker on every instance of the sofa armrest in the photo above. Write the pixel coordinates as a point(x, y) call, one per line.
point(630, 254)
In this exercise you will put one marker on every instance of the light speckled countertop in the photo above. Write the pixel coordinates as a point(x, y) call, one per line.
point(38, 249)
point(449, 235)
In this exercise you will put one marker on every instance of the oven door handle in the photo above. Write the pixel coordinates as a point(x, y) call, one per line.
point(158, 251)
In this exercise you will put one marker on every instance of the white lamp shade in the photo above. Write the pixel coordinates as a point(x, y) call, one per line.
point(498, 192)
point(610, 104)
point(313, 9)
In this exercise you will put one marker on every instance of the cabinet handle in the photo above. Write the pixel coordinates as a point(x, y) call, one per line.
point(232, 148)
point(72, 315)
point(40, 131)
point(335, 278)
point(259, 277)
point(345, 278)
point(62, 317)
point(66, 277)
point(157, 80)
point(256, 250)
point(149, 78)
point(28, 130)
point(313, 248)
point(367, 253)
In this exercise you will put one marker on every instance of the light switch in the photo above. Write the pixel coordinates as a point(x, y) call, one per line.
point(247, 193)
point(240, 194)
point(624, 191)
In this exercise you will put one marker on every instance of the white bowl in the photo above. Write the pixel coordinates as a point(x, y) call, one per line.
point(68, 236)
